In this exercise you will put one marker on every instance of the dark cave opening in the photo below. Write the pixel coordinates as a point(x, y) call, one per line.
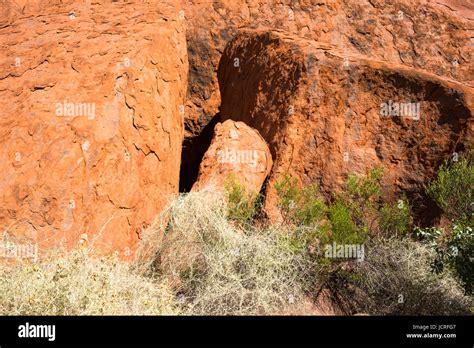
point(192, 153)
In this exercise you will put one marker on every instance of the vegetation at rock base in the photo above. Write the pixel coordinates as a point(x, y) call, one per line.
point(453, 191)
point(81, 283)
point(242, 204)
point(207, 255)
point(453, 188)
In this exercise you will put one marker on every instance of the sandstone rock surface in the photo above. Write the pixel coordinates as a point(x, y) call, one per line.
point(237, 150)
point(435, 36)
point(326, 115)
point(90, 126)
point(95, 101)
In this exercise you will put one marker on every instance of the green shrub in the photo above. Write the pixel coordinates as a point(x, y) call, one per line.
point(461, 246)
point(306, 212)
point(344, 230)
point(300, 206)
point(454, 251)
point(395, 219)
point(361, 196)
point(288, 193)
point(365, 188)
point(242, 204)
point(453, 188)
point(363, 201)
point(353, 214)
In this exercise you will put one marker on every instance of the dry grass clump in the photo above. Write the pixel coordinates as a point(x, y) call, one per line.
point(81, 284)
point(220, 268)
point(396, 278)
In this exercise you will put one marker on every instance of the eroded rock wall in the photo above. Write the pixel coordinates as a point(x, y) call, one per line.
point(90, 128)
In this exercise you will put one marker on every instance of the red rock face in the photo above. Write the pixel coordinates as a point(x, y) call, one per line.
point(95, 101)
point(236, 150)
point(325, 114)
point(430, 37)
point(91, 127)
point(434, 36)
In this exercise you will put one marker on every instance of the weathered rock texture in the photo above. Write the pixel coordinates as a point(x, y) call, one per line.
point(236, 150)
point(93, 97)
point(435, 36)
point(324, 116)
point(106, 164)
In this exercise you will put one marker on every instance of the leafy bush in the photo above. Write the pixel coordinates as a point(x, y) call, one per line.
point(362, 196)
point(454, 251)
point(288, 193)
point(395, 219)
point(363, 203)
point(352, 215)
point(300, 206)
point(305, 211)
point(344, 230)
point(453, 188)
point(365, 189)
point(242, 204)
point(396, 278)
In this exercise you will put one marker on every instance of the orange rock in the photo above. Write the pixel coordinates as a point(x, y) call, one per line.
point(237, 150)
point(432, 35)
point(91, 127)
point(93, 101)
point(326, 115)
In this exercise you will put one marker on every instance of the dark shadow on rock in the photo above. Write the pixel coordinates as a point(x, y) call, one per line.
point(193, 151)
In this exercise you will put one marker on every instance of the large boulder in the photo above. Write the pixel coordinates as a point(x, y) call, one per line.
point(91, 98)
point(236, 152)
point(432, 35)
point(326, 114)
